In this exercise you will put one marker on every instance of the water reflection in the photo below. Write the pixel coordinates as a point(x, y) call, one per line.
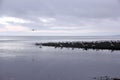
point(111, 51)
point(49, 63)
point(12, 49)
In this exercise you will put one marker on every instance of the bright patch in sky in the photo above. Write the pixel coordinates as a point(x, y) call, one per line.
point(9, 24)
point(46, 20)
point(12, 28)
point(6, 20)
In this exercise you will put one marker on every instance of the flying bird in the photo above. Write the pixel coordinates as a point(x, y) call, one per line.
point(33, 29)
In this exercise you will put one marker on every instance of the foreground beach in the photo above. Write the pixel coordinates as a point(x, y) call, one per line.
point(109, 45)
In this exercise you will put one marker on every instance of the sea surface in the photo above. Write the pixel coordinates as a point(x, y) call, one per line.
point(20, 59)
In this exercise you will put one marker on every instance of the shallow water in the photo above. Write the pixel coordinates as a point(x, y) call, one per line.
point(20, 59)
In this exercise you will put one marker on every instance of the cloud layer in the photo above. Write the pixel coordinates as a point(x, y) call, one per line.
point(60, 17)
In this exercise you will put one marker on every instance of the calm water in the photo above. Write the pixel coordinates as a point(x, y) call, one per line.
point(20, 59)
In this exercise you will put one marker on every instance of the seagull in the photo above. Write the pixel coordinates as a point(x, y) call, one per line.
point(33, 29)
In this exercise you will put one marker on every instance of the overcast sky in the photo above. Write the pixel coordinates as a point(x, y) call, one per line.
point(60, 17)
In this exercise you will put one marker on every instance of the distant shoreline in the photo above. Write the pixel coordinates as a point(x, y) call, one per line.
point(106, 45)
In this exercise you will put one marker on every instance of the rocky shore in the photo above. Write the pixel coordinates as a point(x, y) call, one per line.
point(109, 45)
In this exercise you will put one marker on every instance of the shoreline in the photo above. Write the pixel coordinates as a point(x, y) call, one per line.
point(104, 45)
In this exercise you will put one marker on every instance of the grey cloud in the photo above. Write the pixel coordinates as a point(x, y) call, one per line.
point(0, 4)
point(78, 8)
point(83, 14)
